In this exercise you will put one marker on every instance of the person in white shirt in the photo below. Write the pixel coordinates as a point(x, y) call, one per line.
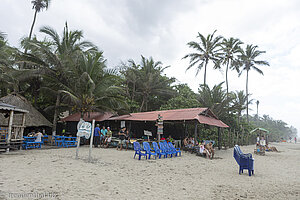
point(257, 140)
point(38, 136)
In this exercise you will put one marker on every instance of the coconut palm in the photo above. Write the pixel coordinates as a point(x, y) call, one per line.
point(230, 51)
point(38, 6)
point(248, 60)
point(239, 103)
point(206, 50)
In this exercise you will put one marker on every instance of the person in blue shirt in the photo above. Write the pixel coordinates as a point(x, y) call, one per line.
point(103, 135)
point(97, 136)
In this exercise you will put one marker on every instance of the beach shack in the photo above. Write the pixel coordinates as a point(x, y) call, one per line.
point(34, 119)
point(11, 133)
point(72, 120)
point(138, 122)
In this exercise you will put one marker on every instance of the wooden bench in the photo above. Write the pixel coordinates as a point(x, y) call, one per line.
point(70, 142)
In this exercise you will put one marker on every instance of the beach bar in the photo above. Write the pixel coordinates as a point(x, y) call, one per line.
point(190, 115)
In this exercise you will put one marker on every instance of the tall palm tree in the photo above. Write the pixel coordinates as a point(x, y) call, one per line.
point(38, 6)
point(206, 50)
point(257, 103)
point(248, 60)
point(230, 50)
point(239, 103)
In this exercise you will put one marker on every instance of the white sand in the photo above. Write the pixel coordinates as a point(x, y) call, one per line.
point(116, 175)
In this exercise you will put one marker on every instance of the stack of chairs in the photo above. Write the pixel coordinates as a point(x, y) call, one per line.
point(245, 161)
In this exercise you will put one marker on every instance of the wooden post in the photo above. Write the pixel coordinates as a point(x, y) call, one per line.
point(10, 121)
point(219, 138)
point(196, 129)
point(91, 141)
point(78, 144)
point(23, 125)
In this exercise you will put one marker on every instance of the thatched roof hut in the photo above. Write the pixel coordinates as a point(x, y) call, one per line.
point(33, 119)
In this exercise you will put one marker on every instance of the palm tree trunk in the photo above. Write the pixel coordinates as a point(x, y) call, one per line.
point(55, 114)
point(31, 29)
point(206, 62)
point(30, 34)
point(227, 87)
point(247, 96)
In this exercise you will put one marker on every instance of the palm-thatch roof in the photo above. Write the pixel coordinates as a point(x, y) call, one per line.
point(33, 119)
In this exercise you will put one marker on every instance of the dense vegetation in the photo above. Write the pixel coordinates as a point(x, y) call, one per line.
point(65, 72)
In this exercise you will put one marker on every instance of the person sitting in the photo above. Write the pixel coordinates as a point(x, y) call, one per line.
point(170, 139)
point(108, 137)
point(38, 136)
point(210, 149)
point(202, 150)
point(185, 142)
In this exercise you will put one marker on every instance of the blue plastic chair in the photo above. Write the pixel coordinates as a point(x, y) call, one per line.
point(147, 148)
point(177, 150)
point(245, 161)
point(138, 150)
point(165, 150)
point(169, 149)
point(158, 151)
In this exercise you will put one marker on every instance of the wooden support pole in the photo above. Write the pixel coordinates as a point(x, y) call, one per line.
point(23, 124)
point(219, 138)
point(196, 129)
point(10, 122)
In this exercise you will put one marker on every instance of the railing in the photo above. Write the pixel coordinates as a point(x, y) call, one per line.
point(16, 133)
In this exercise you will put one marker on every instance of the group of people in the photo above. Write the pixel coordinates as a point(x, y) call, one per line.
point(102, 137)
point(203, 149)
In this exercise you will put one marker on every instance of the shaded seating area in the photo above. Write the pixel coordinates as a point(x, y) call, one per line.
point(245, 161)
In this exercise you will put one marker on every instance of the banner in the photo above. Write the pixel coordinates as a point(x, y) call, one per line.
point(84, 129)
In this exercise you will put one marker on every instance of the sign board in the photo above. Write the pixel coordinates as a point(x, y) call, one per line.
point(149, 133)
point(84, 129)
point(123, 124)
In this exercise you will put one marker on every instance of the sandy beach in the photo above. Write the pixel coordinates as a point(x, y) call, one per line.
point(116, 175)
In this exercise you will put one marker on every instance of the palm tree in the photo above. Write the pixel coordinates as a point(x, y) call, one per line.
point(215, 99)
point(151, 82)
point(207, 49)
point(38, 6)
point(239, 103)
point(230, 50)
point(257, 103)
point(248, 61)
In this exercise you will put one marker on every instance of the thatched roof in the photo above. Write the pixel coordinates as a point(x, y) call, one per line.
point(33, 118)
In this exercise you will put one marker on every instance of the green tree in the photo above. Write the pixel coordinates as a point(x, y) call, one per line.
point(38, 6)
point(185, 98)
point(208, 49)
point(230, 51)
point(249, 61)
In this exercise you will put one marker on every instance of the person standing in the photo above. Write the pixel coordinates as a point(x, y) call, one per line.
point(102, 136)
point(121, 137)
point(97, 136)
point(295, 139)
point(38, 136)
point(108, 137)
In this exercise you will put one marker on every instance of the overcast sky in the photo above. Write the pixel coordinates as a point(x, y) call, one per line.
point(126, 29)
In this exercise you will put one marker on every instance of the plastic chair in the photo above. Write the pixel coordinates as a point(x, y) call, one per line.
point(177, 150)
point(169, 149)
point(164, 149)
point(138, 150)
point(147, 148)
point(158, 151)
point(245, 161)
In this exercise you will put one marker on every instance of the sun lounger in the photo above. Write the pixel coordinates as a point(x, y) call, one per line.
point(138, 150)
